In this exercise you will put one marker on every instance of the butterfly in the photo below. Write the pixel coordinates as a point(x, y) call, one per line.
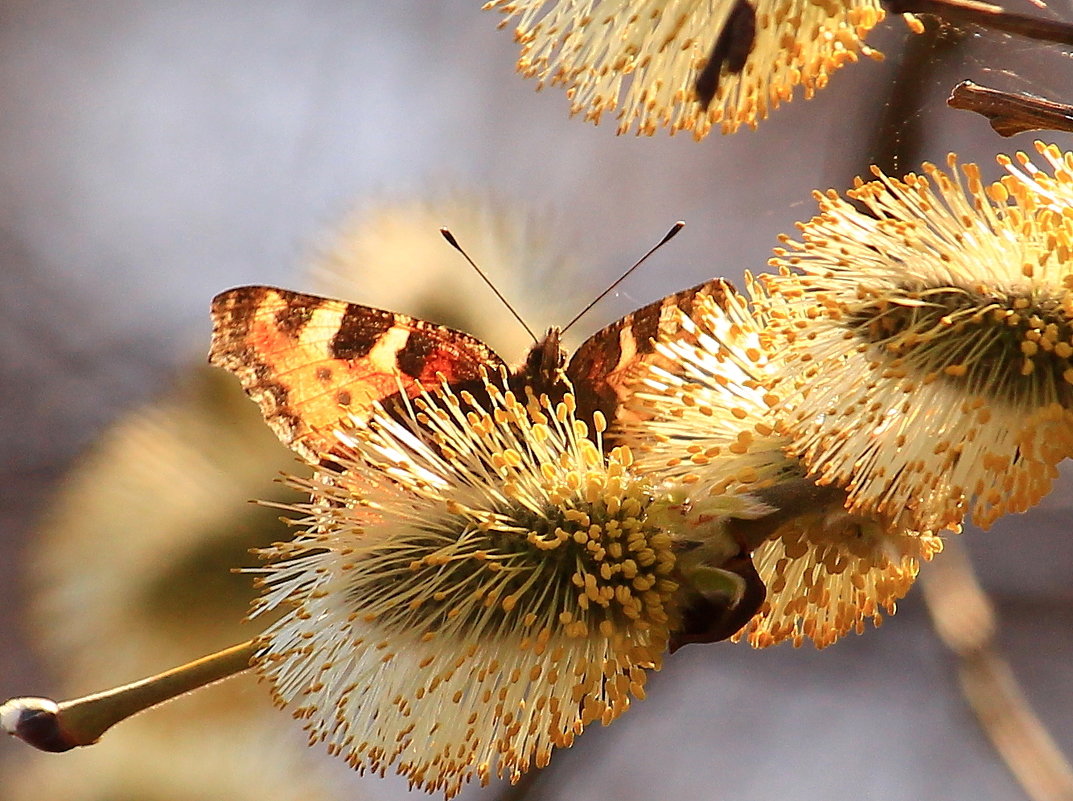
point(313, 364)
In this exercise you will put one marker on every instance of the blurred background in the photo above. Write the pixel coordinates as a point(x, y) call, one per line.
point(152, 155)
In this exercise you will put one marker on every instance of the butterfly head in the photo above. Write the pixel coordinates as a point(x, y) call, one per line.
point(544, 366)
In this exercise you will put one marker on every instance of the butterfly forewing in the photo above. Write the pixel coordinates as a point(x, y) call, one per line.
point(311, 362)
point(605, 364)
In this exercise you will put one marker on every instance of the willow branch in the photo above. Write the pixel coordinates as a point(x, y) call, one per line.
point(1011, 113)
point(52, 726)
point(988, 16)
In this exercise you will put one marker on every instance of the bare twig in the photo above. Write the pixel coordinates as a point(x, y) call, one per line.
point(52, 726)
point(1011, 113)
point(987, 16)
point(965, 621)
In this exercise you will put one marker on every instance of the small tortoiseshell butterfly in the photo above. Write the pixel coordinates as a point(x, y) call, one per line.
point(311, 363)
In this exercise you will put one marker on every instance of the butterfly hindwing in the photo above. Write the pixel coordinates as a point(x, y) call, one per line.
point(310, 362)
point(603, 367)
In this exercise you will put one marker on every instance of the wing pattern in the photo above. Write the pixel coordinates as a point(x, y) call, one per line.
point(310, 362)
point(605, 364)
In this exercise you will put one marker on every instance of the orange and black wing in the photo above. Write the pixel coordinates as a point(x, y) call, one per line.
point(606, 363)
point(311, 362)
point(603, 371)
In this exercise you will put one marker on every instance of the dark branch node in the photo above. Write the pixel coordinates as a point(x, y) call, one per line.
point(36, 721)
point(731, 49)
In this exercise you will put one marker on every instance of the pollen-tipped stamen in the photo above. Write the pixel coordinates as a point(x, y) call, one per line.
point(476, 583)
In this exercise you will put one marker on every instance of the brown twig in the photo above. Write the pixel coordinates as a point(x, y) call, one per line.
point(1011, 113)
point(988, 16)
point(51, 726)
point(965, 622)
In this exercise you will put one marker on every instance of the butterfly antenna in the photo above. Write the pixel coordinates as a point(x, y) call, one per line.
point(678, 226)
point(454, 243)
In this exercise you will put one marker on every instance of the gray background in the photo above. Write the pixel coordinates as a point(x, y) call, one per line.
point(153, 154)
